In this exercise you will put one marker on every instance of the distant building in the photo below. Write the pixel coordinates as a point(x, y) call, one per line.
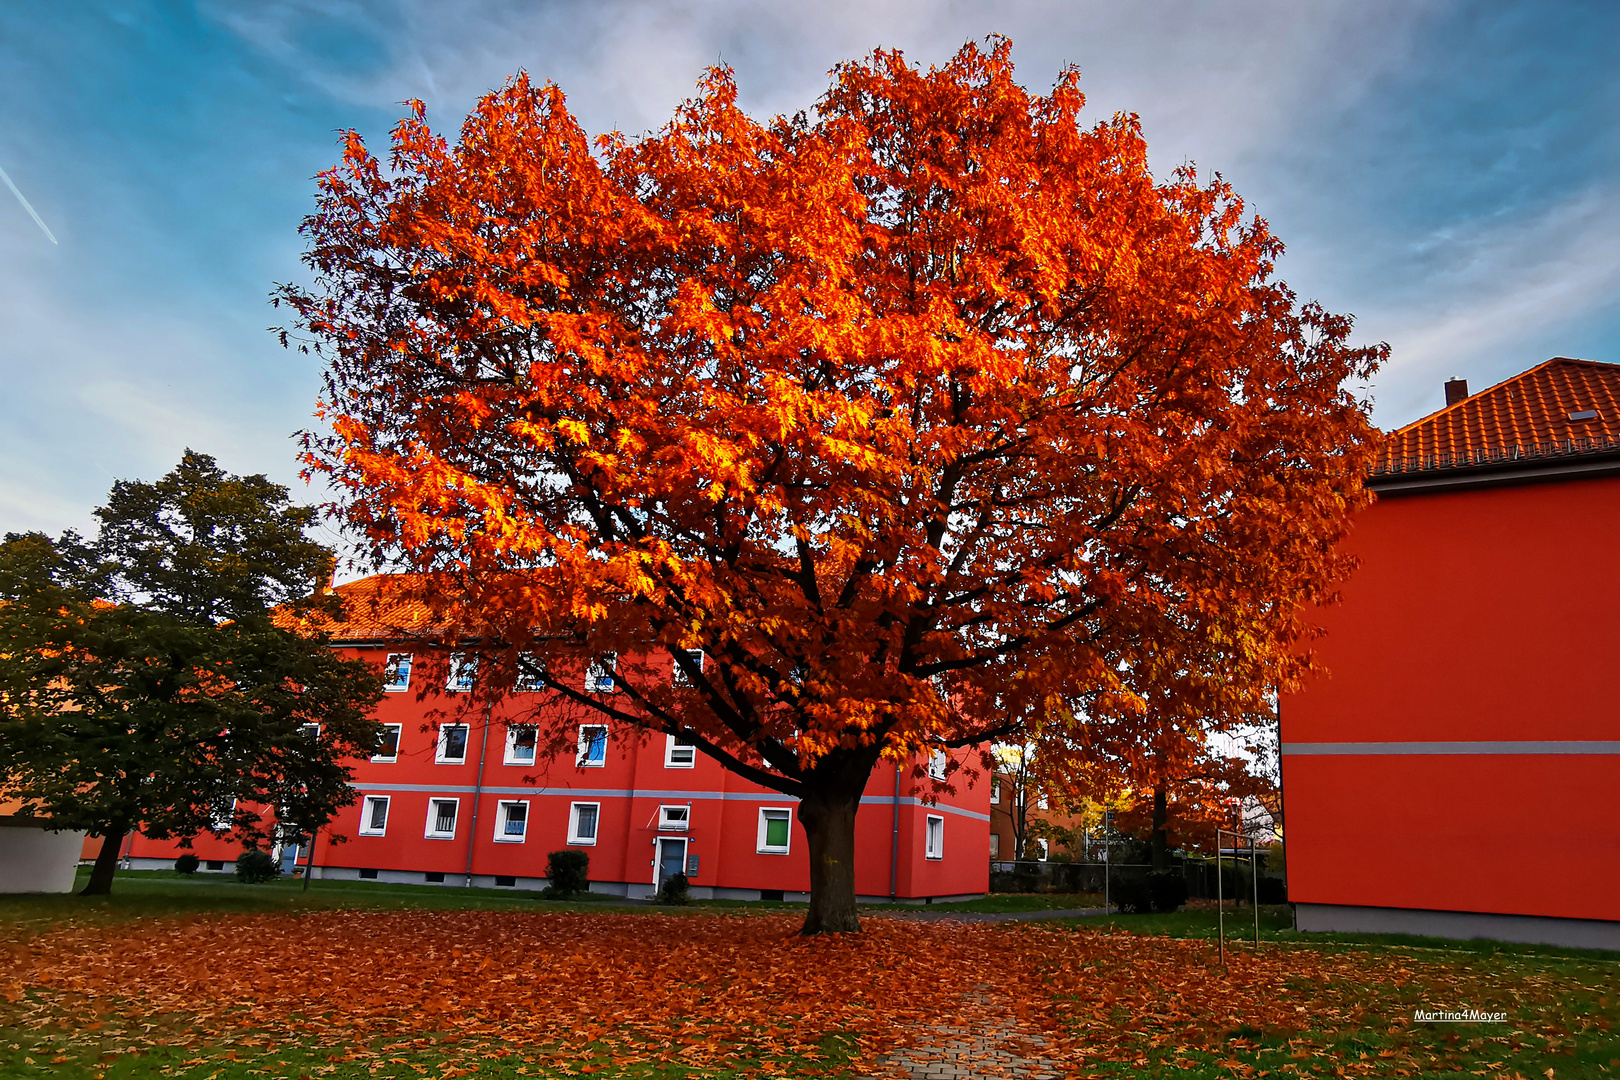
point(1473, 693)
point(450, 800)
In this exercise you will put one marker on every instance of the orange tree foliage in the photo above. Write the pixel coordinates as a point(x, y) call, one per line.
point(920, 414)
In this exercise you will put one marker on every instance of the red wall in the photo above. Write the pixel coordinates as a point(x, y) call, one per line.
point(630, 786)
point(1475, 616)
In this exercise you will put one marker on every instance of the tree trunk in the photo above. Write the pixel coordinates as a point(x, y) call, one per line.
point(1159, 839)
point(101, 875)
point(829, 827)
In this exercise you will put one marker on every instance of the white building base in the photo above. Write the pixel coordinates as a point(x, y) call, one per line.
point(1460, 925)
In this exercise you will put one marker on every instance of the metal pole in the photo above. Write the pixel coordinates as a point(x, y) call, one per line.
point(1254, 879)
point(1220, 898)
point(894, 841)
point(309, 860)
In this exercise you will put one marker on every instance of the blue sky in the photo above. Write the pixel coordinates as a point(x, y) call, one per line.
point(1447, 172)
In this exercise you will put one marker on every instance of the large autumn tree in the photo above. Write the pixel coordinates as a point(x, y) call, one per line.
point(918, 415)
point(148, 678)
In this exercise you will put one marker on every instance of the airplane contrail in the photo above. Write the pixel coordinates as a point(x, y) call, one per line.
point(26, 207)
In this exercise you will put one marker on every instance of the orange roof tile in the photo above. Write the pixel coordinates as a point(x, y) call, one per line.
point(1556, 409)
point(380, 607)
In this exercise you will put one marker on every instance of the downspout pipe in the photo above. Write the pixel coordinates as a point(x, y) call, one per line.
point(894, 841)
point(478, 792)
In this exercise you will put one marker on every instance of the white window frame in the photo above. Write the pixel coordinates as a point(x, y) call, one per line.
point(602, 674)
point(526, 681)
point(995, 846)
point(938, 762)
point(304, 730)
point(366, 828)
point(677, 676)
point(399, 731)
point(1043, 801)
point(463, 670)
point(223, 820)
point(683, 813)
point(995, 791)
point(409, 660)
point(439, 757)
point(670, 746)
point(761, 846)
point(502, 810)
point(574, 838)
point(1043, 848)
point(582, 761)
point(430, 831)
point(934, 836)
point(512, 732)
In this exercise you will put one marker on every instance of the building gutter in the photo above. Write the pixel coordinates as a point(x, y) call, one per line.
point(1463, 478)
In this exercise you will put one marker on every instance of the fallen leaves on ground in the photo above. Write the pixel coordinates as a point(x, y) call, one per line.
point(707, 991)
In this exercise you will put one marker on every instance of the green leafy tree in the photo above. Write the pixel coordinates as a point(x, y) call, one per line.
point(150, 679)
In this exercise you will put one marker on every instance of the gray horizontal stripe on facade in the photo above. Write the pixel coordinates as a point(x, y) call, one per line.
point(1525, 747)
point(670, 796)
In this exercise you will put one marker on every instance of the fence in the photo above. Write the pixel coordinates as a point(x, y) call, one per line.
point(1090, 877)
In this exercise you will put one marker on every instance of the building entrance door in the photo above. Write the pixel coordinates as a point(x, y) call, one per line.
point(671, 859)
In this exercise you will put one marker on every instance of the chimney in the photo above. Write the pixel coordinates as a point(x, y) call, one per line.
point(1456, 390)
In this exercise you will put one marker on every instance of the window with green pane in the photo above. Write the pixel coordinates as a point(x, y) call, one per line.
point(774, 826)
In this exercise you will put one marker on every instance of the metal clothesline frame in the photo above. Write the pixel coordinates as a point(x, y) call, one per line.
point(1254, 880)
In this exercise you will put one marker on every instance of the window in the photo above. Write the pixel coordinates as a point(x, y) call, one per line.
point(674, 817)
point(462, 670)
point(374, 816)
point(520, 745)
point(592, 745)
point(582, 821)
point(388, 747)
point(934, 844)
point(368, 875)
point(1042, 802)
point(310, 731)
point(512, 822)
point(680, 752)
point(599, 676)
point(693, 656)
point(995, 846)
point(223, 818)
point(775, 830)
point(1042, 849)
point(936, 764)
point(452, 744)
point(530, 669)
point(441, 818)
point(397, 672)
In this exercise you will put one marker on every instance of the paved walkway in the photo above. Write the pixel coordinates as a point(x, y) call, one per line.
point(983, 1040)
point(924, 915)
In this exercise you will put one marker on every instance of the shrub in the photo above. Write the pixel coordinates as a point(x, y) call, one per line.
point(675, 890)
point(255, 867)
point(187, 863)
point(1131, 895)
point(567, 873)
point(1167, 889)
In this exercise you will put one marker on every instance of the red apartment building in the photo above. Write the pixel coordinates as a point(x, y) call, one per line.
point(465, 799)
point(1455, 772)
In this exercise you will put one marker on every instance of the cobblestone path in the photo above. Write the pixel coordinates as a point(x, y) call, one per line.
point(984, 1039)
